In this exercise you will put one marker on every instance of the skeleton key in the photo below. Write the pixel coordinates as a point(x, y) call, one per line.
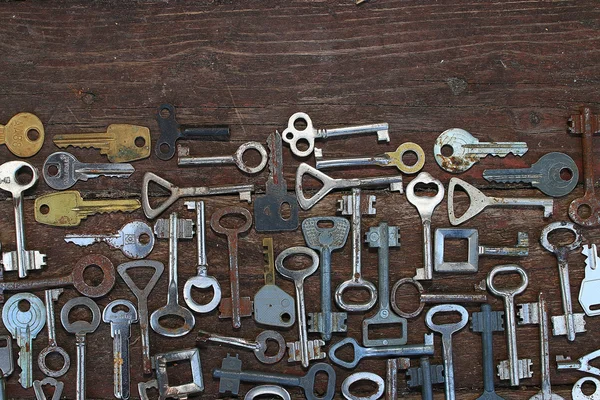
point(184, 159)
point(24, 327)
point(51, 296)
point(258, 346)
point(23, 135)
point(487, 322)
point(582, 364)
point(120, 330)
point(425, 375)
point(467, 150)
point(590, 286)
point(6, 363)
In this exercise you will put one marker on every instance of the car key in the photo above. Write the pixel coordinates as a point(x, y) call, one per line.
point(23, 135)
point(51, 296)
point(258, 346)
point(487, 322)
point(184, 159)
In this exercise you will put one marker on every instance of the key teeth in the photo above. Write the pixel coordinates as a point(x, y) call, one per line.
point(524, 368)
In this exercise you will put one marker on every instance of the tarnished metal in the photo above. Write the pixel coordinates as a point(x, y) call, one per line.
point(393, 365)
point(53, 348)
point(182, 391)
point(16, 135)
point(6, 363)
point(577, 391)
point(589, 293)
point(262, 390)
point(487, 322)
point(258, 346)
point(184, 159)
point(363, 376)
point(581, 364)
point(39, 391)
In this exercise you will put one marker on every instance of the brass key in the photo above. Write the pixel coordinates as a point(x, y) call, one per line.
point(23, 135)
point(120, 142)
point(68, 208)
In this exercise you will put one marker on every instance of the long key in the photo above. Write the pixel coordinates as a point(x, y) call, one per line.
point(544, 174)
point(389, 159)
point(325, 240)
point(176, 193)
point(293, 135)
point(51, 296)
point(258, 346)
point(184, 159)
point(23, 135)
point(590, 285)
point(6, 363)
point(20, 260)
point(135, 239)
point(120, 142)
point(62, 170)
point(120, 330)
point(425, 375)
point(487, 322)
point(468, 150)
point(393, 182)
point(68, 208)
point(24, 327)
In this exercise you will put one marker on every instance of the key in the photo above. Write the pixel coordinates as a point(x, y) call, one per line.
point(269, 208)
point(135, 239)
point(142, 298)
point(184, 159)
point(121, 142)
point(570, 323)
point(447, 330)
point(24, 327)
point(590, 286)
point(120, 330)
point(39, 391)
point(425, 205)
point(577, 391)
point(68, 208)
point(62, 170)
point(351, 205)
point(479, 201)
point(230, 375)
point(326, 240)
point(171, 131)
point(292, 135)
point(425, 375)
point(544, 174)
point(173, 229)
point(329, 184)
point(383, 237)
point(263, 390)
point(23, 135)
point(299, 351)
point(467, 150)
point(582, 364)
point(161, 362)
point(363, 377)
point(389, 159)
point(202, 280)
point(513, 368)
point(272, 305)
point(51, 296)
point(258, 346)
point(176, 193)
point(80, 329)
point(487, 322)
point(6, 363)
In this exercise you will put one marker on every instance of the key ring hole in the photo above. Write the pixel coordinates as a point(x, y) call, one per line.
point(80, 313)
point(364, 388)
point(231, 221)
point(515, 280)
point(584, 211)
point(563, 237)
point(172, 322)
point(321, 383)
point(23, 305)
point(426, 189)
point(52, 170)
point(409, 158)
point(120, 307)
point(93, 275)
point(450, 317)
point(44, 209)
point(144, 239)
point(589, 387)
point(164, 148)
point(285, 211)
point(24, 175)
point(285, 317)
point(566, 174)
point(447, 150)
point(272, 347)
point(302, 144)
point(300, 124)
point(164, 113)
point(140, 141)
point(356, 295)
point(55, 360)
point(33, 134)
point(297, 262)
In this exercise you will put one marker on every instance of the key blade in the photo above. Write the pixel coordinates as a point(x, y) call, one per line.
point(525, 175)
point(82, 240)
point(83, 171)
point(269, 271)
point(274, 143)
point(499, 149)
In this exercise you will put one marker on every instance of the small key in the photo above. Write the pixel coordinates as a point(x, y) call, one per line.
point(292, 135)
point(581, 364)
point(51, 296)
point(62, 170)
point(6, 363)
point(68, 208)
point(24, 327)
point(39, 391)
point(578, 393)
point(120, 330)
point(329, 184)
point(135, 239)
point(258, 346)
point(389, 159)
point(479, 201)
point(23, 135)
point(487, 322)
point(120, 142)
point(425, 375)
point(467, 150)
point(590, 285)
point(184, 159)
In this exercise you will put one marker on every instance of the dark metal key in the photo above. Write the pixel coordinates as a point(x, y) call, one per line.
point(487, 322)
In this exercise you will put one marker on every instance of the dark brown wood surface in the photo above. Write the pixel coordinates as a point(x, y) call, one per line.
point(501, 70)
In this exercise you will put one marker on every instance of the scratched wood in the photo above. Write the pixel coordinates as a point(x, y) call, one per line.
point(503, 71)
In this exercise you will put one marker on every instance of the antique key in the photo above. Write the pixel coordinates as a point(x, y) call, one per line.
point(120, 142)
point(51, 296)
point(487, 322)
point(468, 150)
point(62, 170)
point(590, 286)
point(68, 208)
point(184, 158)
point(258, 346)
point(6, 363)
point(39, 391)
point(23, 135)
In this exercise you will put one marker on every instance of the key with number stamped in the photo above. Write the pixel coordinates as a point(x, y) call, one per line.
point(23, 135)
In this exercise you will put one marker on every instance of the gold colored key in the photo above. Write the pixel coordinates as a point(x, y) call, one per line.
point(23, 135)
point(120, 142)
point(68, 208)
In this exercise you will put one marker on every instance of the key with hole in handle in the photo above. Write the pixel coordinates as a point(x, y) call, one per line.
point(258, 346)
point(39, 391)
point(121, 142)
point(51, 296)
point(23, 135)
point(590, 285)
point(487, 322)
point(184, 158)
point(6, 363)
point(578, 392)
point(468, 150)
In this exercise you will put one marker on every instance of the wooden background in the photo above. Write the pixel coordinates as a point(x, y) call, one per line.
point(501, 70)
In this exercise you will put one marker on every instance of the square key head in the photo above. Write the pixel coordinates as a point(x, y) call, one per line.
point(460, 267)
point(162, 360)
point(128, 143)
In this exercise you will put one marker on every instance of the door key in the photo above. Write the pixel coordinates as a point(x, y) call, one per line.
point(23, 135)
point(184, 159)
point(51, 296)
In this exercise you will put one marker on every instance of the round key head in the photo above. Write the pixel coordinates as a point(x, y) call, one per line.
point(261, 351)
point(559, 174)
point(507, 269)
point(17, 320)
point(408, 147)
point(556, 226)
point(120, 310)
point(11, 179)
point(108, 275)
point(80, 327)
point(46, 368)
point(292, 135)
point(577, 391)
point(447, 329)
point(457, 161)
point(202, 282)
point(138, 239)
point(301, 274)
point(238, 157)
point(24, 134)
point(58, 170)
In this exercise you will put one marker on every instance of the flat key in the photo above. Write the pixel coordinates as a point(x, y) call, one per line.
point(468, 150)
point(68, 208)
point(6, 363)
point(544, 174)
point(135, 239)
point(590, 285)
point(120, 330)
point(24, 327)
point(120, 142)
point(23, 135)
point(393, 182)
point(487, 322)
point(184, 159)
point(51, 296)
point(258, 346)
point(292, 135)
point(62, 170)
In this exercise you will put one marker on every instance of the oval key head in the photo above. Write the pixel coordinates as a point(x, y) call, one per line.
point(262, 390)
point(108, 272)
point(447, 329)
point(113, 312)
point(58, 170)
point(307, 382)
point(363, 376)
point(292, 135)
point(301, 274)
point(12, 182)
point(507, 269)
point(556, 226)
point(456, 162)
point(80, 327)
point(24, 134)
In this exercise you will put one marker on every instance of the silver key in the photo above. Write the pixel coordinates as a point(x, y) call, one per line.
point(120, 330)
point(6, 363)
point(467, 150)
point(359, 377)
point(39, 391)
point(292, 135)
point(62, 170)
point(51, 296)
point(577, 391)
point(590, 286)
point(24, 327)
point(258, 346)
point(262, 390)
point(581, 364)
point(135, 239)
point(19, 260)
point(184, 158)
